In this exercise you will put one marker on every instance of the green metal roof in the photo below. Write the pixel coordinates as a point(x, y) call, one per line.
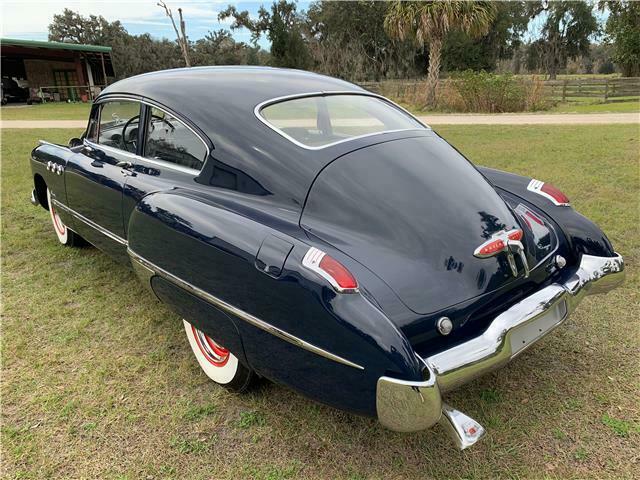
point(54, 45)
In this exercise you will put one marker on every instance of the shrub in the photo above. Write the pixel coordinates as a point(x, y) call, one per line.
point(492, 93)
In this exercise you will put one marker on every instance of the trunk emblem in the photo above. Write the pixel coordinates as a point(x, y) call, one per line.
point(508, 242)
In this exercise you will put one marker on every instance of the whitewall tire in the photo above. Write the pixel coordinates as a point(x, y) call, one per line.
point(218, 363)
point(65, 236)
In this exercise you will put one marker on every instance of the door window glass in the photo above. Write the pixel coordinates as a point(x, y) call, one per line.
point(119, 125)
point(92, 128)
point(169, 140)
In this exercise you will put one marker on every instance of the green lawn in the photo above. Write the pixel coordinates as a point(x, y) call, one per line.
point(98, 380)
point(47, 111)
point(588, 106)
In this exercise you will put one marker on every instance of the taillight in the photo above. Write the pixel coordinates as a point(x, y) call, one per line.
point(488, 249)
point(331, 270)
point(515, 234)
point(549, 191)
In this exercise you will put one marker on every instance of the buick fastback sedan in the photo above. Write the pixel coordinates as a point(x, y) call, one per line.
point(318, 235)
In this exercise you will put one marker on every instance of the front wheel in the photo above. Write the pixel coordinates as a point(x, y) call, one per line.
point(65, 236)
point(219, 364)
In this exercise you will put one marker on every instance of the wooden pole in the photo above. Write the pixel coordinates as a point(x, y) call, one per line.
point(104, 70)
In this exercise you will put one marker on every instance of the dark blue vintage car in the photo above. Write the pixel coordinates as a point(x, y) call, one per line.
point(320, 236)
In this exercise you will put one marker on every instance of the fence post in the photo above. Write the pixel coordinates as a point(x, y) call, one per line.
point(564, 90)
point(606, 90)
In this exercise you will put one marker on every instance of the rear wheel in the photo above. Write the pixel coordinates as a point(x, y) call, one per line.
point(65, 236)
point(218, 363)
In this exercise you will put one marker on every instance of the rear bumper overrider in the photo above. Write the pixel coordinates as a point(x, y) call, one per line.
point(411, 406)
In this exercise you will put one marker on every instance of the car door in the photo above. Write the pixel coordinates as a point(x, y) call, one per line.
point(96, 176)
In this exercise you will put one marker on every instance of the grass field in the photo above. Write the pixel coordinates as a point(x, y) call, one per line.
point(98, 380)
point(588, 106)
point(47, 111)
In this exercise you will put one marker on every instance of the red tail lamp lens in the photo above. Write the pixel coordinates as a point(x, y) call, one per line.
point(549, 191)
point(493, 247)
point(515, 235)
point(338, 272)
point(331, 270)
point(556, 193)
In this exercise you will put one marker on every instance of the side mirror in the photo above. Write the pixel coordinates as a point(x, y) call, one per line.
point(75, 142)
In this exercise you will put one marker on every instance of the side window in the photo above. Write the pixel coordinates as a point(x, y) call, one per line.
point(119, 124)
point(94, 121)
point(169, 140)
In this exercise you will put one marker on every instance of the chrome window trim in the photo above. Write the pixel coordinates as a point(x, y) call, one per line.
point(138, 158)
point(90, 223)
point(257, 111)
point(160, 163)
point(227, 307)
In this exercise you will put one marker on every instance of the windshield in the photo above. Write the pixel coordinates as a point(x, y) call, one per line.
point(322, 120)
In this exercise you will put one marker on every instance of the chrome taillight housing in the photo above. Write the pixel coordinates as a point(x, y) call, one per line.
point(340, 278)
point(549, 192)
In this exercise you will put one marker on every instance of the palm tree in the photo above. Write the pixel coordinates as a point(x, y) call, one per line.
point(429, 22)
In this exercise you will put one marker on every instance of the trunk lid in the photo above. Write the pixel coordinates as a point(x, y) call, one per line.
point(413, 211)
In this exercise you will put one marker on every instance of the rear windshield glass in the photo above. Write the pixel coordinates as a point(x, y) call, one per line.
point(322, 120)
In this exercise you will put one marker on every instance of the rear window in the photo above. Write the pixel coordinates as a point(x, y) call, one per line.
point(322, 120)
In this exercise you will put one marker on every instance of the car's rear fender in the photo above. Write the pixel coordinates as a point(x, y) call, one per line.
point(583, 236)
point(283, 320)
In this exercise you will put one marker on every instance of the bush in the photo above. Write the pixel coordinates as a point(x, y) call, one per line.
point(485, 92)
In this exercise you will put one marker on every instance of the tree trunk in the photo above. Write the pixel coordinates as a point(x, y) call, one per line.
point(433, 72)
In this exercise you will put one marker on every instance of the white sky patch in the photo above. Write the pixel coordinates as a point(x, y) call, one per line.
point(21, 18)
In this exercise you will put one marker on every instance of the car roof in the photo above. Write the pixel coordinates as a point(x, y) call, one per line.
point(244, 86)
point(220, 102)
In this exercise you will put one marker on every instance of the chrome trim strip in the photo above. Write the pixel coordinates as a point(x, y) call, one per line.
point(138, 158)
point(247, 317)
point(90, 223)
point(258, 108)
point(44, 142)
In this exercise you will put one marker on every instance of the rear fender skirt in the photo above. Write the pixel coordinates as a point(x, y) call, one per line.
point(584, 236)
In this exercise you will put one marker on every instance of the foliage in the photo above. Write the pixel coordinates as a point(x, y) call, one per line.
point(623, 32)
point(471, 91)
point(461, 51)
point(567, 28)
point(348, 40)
point(428, 23)
point(219, 48)
point(134, 54)
point(72, 27)
point(283, 28)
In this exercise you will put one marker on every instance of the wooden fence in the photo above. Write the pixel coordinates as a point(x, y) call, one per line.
point(603, 88)
point(566, 90)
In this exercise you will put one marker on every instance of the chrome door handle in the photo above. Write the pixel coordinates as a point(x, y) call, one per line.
point(125, 165)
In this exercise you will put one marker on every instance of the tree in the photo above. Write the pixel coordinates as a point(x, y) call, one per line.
point(219, 48)
point(428, 23)
point(283, 28)
point(566, 32)
point(71, 27)
point(504, 38)
point(623, 32)
point(181, 36)
point(348, 40)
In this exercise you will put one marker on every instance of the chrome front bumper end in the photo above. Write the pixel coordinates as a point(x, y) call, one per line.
point(34, 198)
point(411, 406)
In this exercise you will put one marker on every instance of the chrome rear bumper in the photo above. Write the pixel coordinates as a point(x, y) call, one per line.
point(411, 406)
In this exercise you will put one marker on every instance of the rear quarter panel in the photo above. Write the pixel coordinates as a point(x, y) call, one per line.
point(214, 249)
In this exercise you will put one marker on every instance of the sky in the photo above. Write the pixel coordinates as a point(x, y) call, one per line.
point(29, 19)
